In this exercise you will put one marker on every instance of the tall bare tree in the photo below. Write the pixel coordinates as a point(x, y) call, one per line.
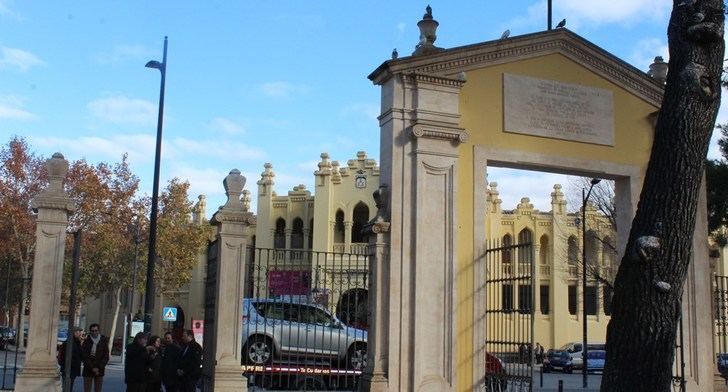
point(649, 285)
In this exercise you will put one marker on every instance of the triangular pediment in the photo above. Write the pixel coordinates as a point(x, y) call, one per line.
point(450, 62)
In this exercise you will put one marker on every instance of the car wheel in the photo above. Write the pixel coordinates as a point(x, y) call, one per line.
point(356, 357)
point(258, 351)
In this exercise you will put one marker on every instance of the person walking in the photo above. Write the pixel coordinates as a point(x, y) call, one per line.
point(76, 356)
point(95, 356)
point(171, 353)
point(154, 379)
point(136, 364)
point(189, 363)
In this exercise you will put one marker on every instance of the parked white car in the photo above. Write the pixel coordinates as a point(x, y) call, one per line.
point(275, 329)
point(577, 353)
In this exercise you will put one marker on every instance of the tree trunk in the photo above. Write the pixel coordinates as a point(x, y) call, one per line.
point(112, 333)
point(20, 336)
point(649, 283)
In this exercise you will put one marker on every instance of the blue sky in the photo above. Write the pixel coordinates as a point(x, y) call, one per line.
point(254, 82)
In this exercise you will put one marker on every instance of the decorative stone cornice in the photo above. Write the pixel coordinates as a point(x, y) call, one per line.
point(455, 60)
point(414, 77)
point(427, 132)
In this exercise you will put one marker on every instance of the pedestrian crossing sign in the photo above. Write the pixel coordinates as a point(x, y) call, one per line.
point(169, 314)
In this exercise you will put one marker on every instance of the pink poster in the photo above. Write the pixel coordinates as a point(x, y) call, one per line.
point(289, 282)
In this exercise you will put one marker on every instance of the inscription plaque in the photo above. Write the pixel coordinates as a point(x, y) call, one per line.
point(552, 109)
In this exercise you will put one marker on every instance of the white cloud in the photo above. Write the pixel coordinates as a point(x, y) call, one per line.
point(121, 53)
point(139, 147)
point(280, 89)
point(7, 12)
point(645, 51)
point(223, 150)
point(226, 126)
point(11, 108)
point(587, 13)
point(123, 110)
point(516, 184)
point(368, 110)
point(18, 58)
point(617, 11)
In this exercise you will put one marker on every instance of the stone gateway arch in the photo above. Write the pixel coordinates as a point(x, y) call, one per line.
point(548, 101)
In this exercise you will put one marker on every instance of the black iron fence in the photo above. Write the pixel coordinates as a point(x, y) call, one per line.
point(12, 356)
point(305, 319)
point(509, 317)
point(720, 326)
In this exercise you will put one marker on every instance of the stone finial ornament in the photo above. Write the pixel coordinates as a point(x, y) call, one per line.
point(658, 70)
point(54, 197)
point(247, 199)
point(233, 183)
point(428, 34)
point(266, 177)
point(57, 168)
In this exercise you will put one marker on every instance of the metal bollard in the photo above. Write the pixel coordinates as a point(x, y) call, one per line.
point(561, 385)
point(541, 376)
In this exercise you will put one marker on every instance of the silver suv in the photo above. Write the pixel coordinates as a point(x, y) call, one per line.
point(292, 331)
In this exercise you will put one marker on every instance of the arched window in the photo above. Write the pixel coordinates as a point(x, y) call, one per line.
point(592, 245)
point(524, 237)
point(279, 238)
point(573, 250)
point(361, 217)
point(507, 251)
point(339, 227)
point(544, 255)
point(297, 234)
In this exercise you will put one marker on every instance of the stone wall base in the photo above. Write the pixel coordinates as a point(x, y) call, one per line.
point(229, 379)
point(38, 379)
point(374, 383)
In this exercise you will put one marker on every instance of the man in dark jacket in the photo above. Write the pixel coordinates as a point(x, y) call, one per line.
point(136, 364)
point(76, 356)
point(189, 363)
point(95, 355)
point(171, 353)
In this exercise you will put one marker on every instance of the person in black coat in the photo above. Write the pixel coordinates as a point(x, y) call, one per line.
point(76, 357)
point(154, 379)
point(171, 353)
point(136, 365)
point(189, 364)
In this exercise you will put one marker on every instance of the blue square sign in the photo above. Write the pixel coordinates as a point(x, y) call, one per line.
point(169, 314)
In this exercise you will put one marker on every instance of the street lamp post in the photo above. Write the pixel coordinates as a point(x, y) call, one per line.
point(584, 346)
point(149, 289)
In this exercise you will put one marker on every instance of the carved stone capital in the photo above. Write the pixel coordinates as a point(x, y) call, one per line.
point(231, 216)
point(428, 132)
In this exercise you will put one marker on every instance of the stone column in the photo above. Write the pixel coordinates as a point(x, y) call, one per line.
point(233, 224)
point(374, 378)
point(40, 371)
point(347, 236)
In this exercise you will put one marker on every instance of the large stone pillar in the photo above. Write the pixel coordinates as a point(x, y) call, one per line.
point(420, 149)
point(40, 371)
point(374, 378)
point(233, 224)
